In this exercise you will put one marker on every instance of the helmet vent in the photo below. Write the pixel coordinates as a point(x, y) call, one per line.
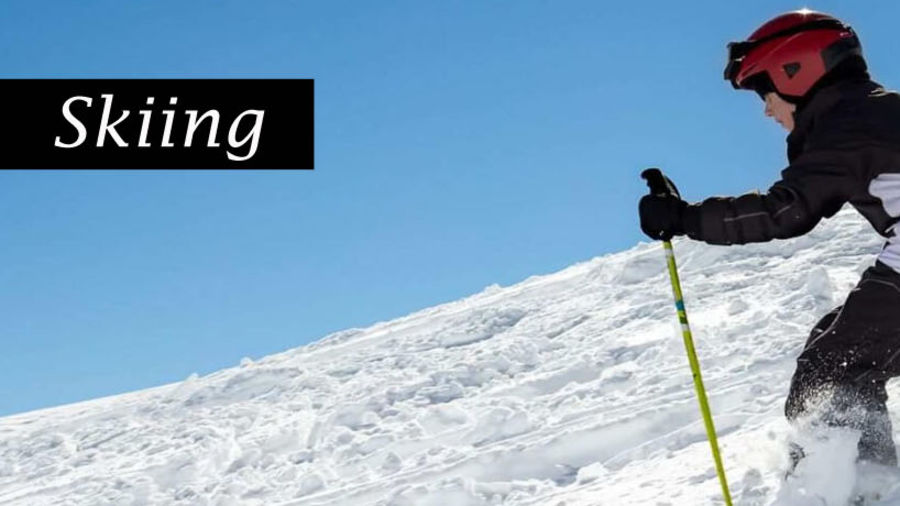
point(791, 69)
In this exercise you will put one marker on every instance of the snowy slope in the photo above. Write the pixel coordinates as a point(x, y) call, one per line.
point(566, 389)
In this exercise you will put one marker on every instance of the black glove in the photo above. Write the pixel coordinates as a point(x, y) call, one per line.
point(661, 213)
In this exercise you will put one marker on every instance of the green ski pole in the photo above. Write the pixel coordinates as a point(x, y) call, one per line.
point(659, 186)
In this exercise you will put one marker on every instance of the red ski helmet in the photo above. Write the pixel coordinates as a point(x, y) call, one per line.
point(790, 53)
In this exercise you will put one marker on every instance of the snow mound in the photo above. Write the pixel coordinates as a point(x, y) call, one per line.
point(566, 389)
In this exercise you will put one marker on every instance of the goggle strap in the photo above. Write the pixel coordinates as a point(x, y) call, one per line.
point(817, 24)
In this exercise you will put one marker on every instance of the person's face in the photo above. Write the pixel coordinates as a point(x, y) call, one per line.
point(781, 110)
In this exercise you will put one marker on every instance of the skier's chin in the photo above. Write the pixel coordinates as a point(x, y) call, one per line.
point(783, 125)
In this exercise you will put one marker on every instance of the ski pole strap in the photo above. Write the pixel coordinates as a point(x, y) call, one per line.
point(695, 370)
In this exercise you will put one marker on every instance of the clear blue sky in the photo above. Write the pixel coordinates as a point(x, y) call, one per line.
point(458, 144)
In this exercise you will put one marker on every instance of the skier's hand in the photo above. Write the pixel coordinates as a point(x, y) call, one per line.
point(661, 212)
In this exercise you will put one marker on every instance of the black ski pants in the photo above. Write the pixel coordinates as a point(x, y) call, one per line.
point(848, 358)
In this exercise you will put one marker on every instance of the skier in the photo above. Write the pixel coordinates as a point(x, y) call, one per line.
point(843, 146)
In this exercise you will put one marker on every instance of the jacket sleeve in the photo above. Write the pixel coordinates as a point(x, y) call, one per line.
point(815, 186)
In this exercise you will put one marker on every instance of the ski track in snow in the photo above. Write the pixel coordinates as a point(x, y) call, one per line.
point(566, 389)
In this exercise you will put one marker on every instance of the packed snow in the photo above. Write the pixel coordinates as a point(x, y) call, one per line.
point(566, 389)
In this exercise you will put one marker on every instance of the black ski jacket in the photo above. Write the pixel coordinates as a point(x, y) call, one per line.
point(845, 147)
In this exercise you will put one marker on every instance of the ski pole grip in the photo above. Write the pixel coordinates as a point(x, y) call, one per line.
point(657, 182)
